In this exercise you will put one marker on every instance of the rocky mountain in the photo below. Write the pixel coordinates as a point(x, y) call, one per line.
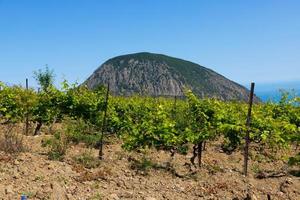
point(161, 75)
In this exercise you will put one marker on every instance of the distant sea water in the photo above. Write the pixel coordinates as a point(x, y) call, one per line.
point(273, 96)
point(271, 91)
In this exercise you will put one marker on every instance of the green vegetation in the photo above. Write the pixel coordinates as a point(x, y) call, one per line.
point(81, 131)
point(44, 78)
point(87, 160)
point(295, 160)
point(58, 146)
point(143, 165)
point(143, 122)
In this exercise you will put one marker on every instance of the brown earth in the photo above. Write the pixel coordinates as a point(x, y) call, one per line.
point(147, 175)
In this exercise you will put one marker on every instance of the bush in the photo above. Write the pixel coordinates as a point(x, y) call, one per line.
point(87, 160)
point(11, 141)
point(58, 146)
point(80, 131)
point(143, 165)
point(294, 160)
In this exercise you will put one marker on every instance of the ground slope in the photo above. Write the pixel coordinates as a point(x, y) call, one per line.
point(124, 175)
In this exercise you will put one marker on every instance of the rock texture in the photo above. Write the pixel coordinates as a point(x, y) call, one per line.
point(160, 75)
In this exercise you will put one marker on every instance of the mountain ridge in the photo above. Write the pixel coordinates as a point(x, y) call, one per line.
point(161, 75)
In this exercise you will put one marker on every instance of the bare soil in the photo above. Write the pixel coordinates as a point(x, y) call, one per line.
point(148, 175)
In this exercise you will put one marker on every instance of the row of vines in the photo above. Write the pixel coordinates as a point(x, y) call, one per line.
point(167, 124)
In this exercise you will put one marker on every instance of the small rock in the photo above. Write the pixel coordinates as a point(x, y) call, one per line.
point(254, 197)
point(58, 192)
point(284, 186)
point(104, 186)
point(127, 195)
point(70, 197)
point(9, 190)
point(281, 194)
point(289, 181)
point(16, 176)
point(114, 197)
point(150, 198)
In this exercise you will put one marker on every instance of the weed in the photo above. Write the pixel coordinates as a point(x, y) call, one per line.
point(295, 173)
point(11, 141)
point(80, 131)
point(63, 180)
point(39, 178)
point(294, 160)
point(87, 160)
point(120, 155)
point(96, 185)
point(58, 146)
point(213, 169)
point(102, 173)
point(97, 196)
point(183, 149)
point(256, 169)
point(143, 165)
point(258, 157)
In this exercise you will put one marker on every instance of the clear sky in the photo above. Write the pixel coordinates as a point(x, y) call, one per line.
point(254, 40)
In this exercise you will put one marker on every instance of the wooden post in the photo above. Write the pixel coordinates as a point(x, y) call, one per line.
point(174, 111)
point(200, 146)
point(247, 138)
point(175, 101)
point(103, 123)
point(26, 120)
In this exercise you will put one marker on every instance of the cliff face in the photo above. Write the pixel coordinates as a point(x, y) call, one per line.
point(139, 76)
point(160, 75)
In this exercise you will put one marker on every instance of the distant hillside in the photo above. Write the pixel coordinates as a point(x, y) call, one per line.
point(161, 75)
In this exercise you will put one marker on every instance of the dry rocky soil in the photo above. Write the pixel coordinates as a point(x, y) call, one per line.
point(146, 175)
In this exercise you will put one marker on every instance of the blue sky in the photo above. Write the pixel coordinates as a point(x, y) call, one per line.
point(243, 40)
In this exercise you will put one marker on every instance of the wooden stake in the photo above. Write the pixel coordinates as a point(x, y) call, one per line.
point(200, 146)
point(174, 111)
point(26, 120)
point(103, 123)
point(247, 138)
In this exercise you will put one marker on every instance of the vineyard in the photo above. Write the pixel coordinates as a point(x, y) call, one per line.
point(175, 126)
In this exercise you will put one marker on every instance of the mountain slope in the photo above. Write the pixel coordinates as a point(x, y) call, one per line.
point(161, 75)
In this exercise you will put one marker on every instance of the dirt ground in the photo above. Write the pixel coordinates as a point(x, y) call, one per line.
point(147, 175)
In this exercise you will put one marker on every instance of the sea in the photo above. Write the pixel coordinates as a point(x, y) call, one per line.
point(272, 91)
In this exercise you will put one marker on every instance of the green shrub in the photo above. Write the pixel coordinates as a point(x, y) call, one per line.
point(143, 165)
point(183, 149)
point(58, 146)
point(256, 168)
point(87, 160)
point(294, 160)
point(80, 131)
